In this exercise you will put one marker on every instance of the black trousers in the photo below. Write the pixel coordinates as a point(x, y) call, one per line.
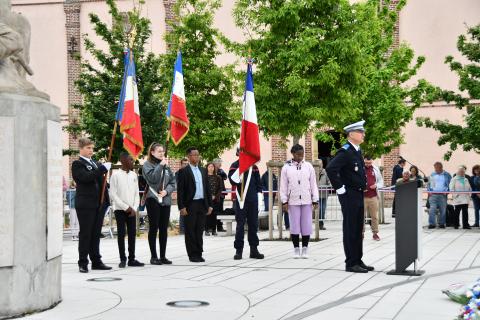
point(456, 216)
point(248, 214)
point(158, 221)
point(211, 220)
point(194, 227)
point(91, 222)
point(353, 220)
point(130, 222)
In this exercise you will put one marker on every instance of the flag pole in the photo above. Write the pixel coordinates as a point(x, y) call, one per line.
point(249, 60)
point(109, 159)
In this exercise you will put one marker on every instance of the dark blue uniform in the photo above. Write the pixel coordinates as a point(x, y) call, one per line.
point(348, 169)
point(250, 208)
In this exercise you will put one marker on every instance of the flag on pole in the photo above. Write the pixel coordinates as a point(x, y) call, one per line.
point(249, 137)
point(177, 107)
point(128, 112)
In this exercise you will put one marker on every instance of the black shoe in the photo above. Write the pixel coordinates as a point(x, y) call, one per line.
point(254, 254)
point(83, 269)
point(122, 264)
point(364, 266)
point(431, 226)
point(214, 233)
point(356, 269)
point(220, 229)
point(102, 235)
point(442, 226)
point(238, 255)
point(207, 233)
point(467, 227)
point(196, 259)
point(165, 261)
point(155, 261)
point(456, 227)
point(135, 263)
point(100, 266)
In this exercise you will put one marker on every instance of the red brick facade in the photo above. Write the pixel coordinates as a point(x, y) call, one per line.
point(308, 146)
point(72, 23)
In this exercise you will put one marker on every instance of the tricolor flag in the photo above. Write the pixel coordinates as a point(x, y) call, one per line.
point(128, 112)
point(249, 137)
point(177, 108)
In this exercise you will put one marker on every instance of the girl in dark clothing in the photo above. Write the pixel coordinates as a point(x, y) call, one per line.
point(215, 183)
point(161, 184)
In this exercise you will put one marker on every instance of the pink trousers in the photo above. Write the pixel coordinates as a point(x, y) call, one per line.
point(300, 219)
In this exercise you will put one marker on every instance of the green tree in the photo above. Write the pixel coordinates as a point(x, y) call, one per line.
point(100, 86)
point(327, 63)
point(466, 135)
point(214, 115)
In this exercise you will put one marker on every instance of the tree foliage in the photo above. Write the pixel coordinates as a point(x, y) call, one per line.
point(328, 63)
point(214, 115)
point(466, 135)
point(100, 81)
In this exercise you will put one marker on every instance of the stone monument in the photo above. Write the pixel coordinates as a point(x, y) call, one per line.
point(31, 203)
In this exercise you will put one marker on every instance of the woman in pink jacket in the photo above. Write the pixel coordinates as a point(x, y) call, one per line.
point(299, 192)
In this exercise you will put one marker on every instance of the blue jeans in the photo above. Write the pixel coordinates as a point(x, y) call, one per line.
point(476, 207)
point(437, 201)
point(323, 208)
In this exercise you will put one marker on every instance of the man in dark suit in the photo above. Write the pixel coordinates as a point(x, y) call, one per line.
point(346, 172)
point(194, 202)
point(88, 175)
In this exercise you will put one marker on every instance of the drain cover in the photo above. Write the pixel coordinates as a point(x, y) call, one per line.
point(104, 279)
point(187, 304)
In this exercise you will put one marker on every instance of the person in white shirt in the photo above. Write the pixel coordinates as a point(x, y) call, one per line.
point(125, 199)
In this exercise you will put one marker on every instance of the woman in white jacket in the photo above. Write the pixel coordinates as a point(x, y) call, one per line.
point(460, 200)
point(299, 192)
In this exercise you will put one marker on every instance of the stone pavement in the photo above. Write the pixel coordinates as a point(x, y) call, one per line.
point(278, 287)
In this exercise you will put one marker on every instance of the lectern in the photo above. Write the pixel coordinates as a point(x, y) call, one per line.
point(408, 228)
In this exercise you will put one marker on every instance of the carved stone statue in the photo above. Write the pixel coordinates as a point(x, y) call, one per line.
point(14, 53)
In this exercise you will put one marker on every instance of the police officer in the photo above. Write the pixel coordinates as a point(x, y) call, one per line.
point(249, 213)
point(346, 172)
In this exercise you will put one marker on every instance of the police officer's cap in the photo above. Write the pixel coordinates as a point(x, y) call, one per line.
point(357, 126)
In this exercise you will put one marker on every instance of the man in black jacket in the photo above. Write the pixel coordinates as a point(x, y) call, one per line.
point(346, 172)
point(194, 202)
point(88, 175)
point(397, 174)
point(249, 213)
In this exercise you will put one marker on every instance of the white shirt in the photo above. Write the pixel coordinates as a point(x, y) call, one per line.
point(90, 161)
point(354, 145)
point(124, 190)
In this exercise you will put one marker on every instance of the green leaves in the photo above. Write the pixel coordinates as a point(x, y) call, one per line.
point(466, 135)
point(326, 63)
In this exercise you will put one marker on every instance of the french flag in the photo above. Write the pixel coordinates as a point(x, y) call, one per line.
point(177, 107)
point(249, 136)
point(128, 112)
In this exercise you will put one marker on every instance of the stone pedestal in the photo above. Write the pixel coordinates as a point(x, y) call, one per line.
point(31, 205)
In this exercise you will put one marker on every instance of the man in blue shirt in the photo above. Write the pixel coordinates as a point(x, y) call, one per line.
point(438, 182)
